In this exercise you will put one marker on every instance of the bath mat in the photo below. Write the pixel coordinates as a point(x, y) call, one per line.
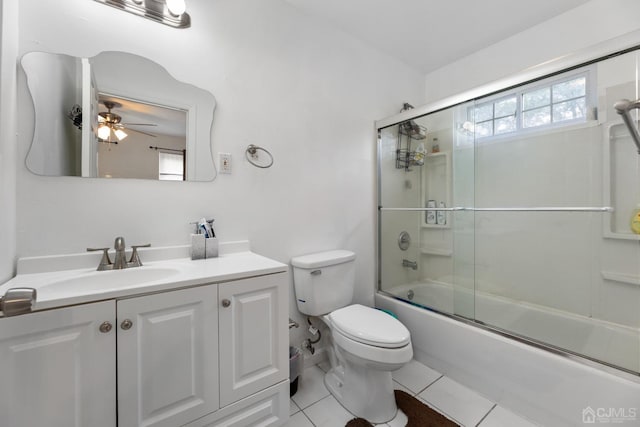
point(418, 414)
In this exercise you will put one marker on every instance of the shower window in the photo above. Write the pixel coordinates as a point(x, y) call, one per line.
point(496, 117)
point(560, 102)
point(556, 101)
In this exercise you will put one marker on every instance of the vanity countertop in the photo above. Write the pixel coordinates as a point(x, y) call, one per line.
point(83, 285)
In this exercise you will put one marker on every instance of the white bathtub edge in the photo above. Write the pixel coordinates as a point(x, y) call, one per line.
point(547, 388)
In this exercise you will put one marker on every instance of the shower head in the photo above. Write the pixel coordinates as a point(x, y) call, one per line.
point(623, 107)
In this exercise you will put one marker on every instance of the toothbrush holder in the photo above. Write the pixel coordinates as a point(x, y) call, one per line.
point(198, 246)
point(211, 247)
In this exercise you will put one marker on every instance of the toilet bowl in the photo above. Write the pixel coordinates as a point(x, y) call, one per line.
point(365, 344)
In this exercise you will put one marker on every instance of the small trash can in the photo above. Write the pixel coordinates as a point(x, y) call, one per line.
point(295, 360)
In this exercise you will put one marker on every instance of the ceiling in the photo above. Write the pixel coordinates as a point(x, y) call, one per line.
point(428, 34)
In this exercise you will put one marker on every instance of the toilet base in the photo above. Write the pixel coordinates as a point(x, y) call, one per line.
point(364, 392)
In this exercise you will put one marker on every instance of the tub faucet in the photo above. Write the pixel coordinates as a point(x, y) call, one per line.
point(412, 264)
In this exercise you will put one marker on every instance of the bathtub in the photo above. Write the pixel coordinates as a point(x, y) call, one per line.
point(549, 388)
point(616, 344)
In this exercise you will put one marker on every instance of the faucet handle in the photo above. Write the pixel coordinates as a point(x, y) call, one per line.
point(105, 261)
point(135, 259)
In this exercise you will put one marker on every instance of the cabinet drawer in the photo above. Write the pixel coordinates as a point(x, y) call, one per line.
point(269, 407)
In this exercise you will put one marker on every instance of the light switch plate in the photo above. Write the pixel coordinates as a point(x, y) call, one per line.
point(225, 162)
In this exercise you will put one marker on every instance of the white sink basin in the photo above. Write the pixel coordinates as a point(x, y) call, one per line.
point(113, 279)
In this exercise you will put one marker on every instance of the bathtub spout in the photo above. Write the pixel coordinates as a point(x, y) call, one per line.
point(412, 264)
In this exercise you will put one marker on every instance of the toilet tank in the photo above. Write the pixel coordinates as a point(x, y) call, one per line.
point(323, 281)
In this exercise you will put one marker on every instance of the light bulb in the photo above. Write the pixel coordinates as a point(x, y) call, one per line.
point(103, 132)
point(120, 134)
point(176, 7)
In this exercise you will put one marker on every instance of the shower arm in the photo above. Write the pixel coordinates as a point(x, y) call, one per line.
point(623, 107)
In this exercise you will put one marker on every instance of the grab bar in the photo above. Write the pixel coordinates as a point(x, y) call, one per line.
point(533, 209)
point(623, 107)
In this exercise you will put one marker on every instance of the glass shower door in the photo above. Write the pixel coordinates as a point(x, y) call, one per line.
point(416, 219)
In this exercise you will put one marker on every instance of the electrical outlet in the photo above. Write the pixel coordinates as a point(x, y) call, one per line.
point(225, 162)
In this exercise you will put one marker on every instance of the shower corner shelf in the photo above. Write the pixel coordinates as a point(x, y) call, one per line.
point(436, 251)
point(436, 185)
point(621, 278)
point(443, 226)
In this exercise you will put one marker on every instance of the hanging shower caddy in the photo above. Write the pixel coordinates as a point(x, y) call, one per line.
point(409, 131)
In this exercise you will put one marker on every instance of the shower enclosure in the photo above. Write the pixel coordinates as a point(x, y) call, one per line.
point(512, 211)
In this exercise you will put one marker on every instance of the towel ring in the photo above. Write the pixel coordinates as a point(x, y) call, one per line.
point(252, 156)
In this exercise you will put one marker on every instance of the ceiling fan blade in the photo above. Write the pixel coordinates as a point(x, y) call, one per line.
point(139, 124)
point(139, 131)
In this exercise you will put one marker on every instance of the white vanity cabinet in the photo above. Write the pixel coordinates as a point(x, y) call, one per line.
point(58, 368)
point(167, 357)
point(254, 349)
point(206, 355)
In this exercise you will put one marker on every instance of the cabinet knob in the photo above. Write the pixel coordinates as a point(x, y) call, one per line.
point(105, 327)
point(126, 324)
point(226, 303)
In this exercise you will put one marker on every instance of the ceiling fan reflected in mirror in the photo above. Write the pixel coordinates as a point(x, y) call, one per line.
point(111, 130)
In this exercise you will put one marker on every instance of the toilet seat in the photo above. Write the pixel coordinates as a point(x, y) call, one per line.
point(370, 326)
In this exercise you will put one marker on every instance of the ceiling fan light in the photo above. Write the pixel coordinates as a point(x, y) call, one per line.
point(176, 7)
point(120, 134)
point(103, 132)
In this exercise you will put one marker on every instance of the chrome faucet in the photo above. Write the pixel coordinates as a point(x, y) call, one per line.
point(120, 262)
point(412, 264)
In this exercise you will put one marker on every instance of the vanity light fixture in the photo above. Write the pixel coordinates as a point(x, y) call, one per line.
point(168, 12)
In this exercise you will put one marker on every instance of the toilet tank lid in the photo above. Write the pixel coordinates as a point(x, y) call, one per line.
point(323, 259)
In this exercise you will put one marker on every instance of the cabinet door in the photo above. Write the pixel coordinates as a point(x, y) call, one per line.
point(58, 369)
point(253, 335)
point(167, 357)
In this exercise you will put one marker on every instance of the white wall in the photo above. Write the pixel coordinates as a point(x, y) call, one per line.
point(577, 29)
point(307, 93)
point(9, 30)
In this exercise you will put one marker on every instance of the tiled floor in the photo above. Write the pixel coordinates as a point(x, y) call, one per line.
point(313, 406)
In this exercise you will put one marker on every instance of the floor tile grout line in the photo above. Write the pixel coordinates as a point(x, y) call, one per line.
point(311, 404)
point(309, 418)
point(442, 412)
point(487, 414)
point(430, 384)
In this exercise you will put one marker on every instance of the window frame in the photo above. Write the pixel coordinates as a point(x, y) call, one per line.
point(590, 97)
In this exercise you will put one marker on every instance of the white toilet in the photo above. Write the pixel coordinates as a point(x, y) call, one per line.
point(366, 343)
